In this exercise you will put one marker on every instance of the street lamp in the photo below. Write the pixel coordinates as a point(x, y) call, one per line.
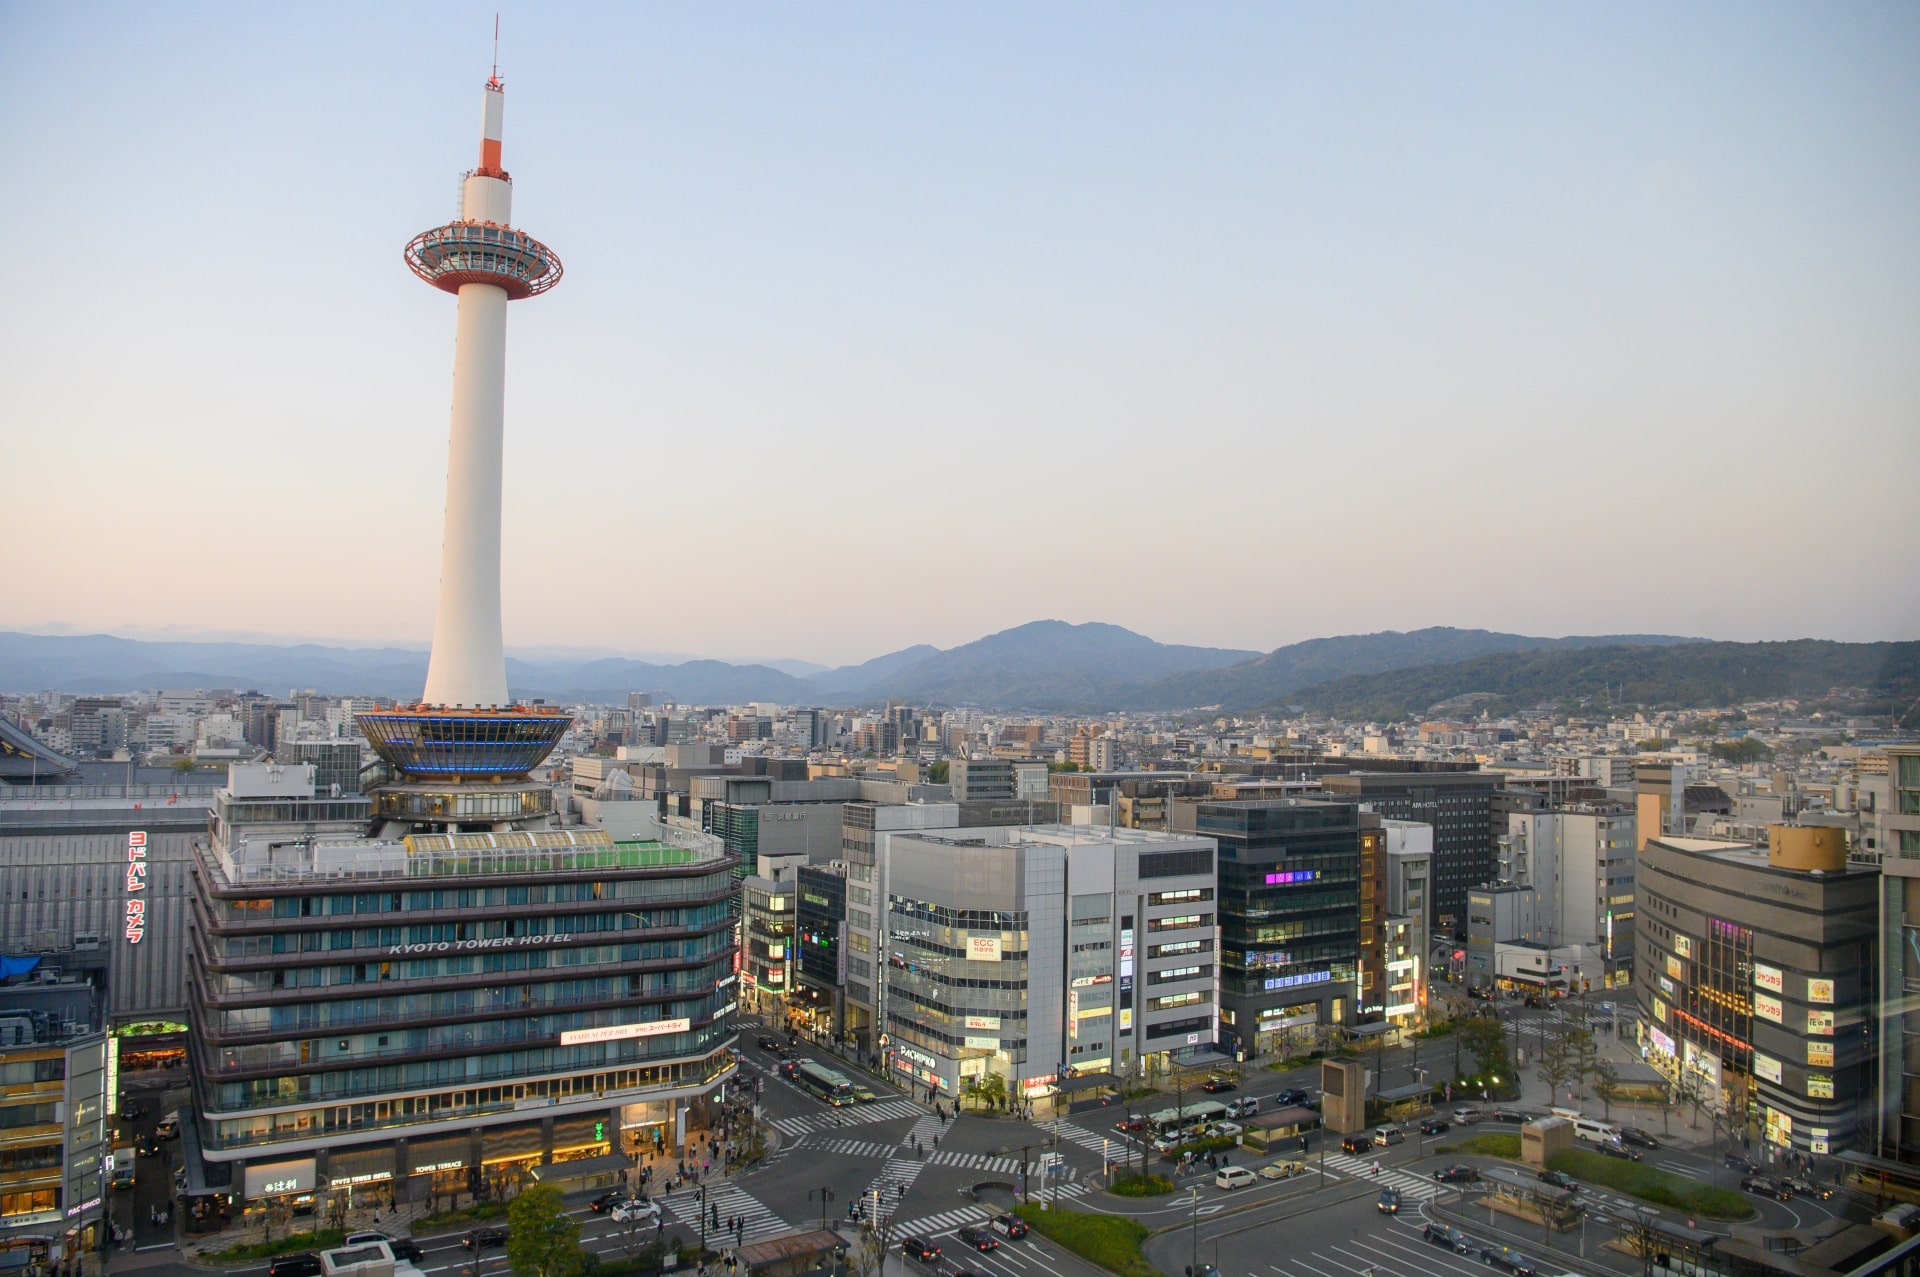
point(1194, 1201)
point(825, 1195)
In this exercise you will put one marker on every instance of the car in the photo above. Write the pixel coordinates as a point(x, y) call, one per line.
point(1467, 1116)
point(640, 1212)
point(1388, 1134)
point(1450, 1238)
point(1389, 1203)
point(123, 1174)
point(1245, 1107)
point(146, 1146)
point(305, 1264)
point(1615, 1148)
point(1011, 1227)
point(1560, 1179)
point(486, 1238)
point(1130, 1125)
point(1767, 1186)
point(1358, 1142)
point(1637, 1137)
point(610, 1199)
point(1807, 1188)
point(1219, 1085)
point(767, 1042)
point(1226, 1130)
point(403, 1248)
point(132, 1111)
point(1228, 1178)
point(1435, 1126)
point(1291, 1096)
point(168, 1127)
point(978, 1238)
point(1735, 1162)
point(921, 1249)
point(789, 1067)
point(1458, 1173)
point(864, 1094)
point(1511, 1261)
point(1283, 1170)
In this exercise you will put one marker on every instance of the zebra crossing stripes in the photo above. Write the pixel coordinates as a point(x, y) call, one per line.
point(945, 1222)
point(1409, 1184)
point(977, 1162)
point(850, 1116)
point(853, 1148)
point(1088, 1140)
point(727, 1200)
point(897, 1176)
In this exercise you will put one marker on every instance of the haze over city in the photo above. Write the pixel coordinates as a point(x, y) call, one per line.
point(1234, 327)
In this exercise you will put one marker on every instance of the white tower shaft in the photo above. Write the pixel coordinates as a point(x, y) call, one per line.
point(468, 667)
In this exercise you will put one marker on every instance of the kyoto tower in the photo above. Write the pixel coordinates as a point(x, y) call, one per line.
point(466, 730)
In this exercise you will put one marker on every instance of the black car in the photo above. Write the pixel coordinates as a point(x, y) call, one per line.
point(302, 1265)
point(1451, 1238)
point(767, 1043)
point(1356, 1143)
point(1435, 1126)
point(1011, 1226)
point(609, 1199)
point(1509, 1261)
point(1735, 1162)
point(978, 1238)
point(1615, 1148)
point(1389, 1203)
point(486, 1238)
point(1807, 1188)
point(1291, 1096)
point(917, 1248)
point(1637, 1137)
point(1458, 1173)
point(132, 1111)
point(1560, 1179)
point(146, 1146)
point(1767, 1186)
point(1216, 1085)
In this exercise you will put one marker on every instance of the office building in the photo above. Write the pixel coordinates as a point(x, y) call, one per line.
point(981, 779)
point(1288, 917)
point(1897, 1135)
point(1754, 971)
point(1024, 951)
point(1458, 806)
point(818, 997)
point(1579, 862)
point(56, 1093)
point(767, 943)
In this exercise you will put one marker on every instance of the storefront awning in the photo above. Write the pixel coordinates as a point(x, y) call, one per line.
point(583, 1168)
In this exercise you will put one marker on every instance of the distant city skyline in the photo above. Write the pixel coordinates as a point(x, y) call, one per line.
point(1234, 328)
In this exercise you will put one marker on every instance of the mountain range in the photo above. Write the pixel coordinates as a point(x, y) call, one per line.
point(1044, 665)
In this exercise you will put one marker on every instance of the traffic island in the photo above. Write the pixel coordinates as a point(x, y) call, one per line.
point(1651, 1184)
point(1111, 1241)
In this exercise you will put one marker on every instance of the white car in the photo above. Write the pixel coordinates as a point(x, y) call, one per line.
point(636, 1212)
point(1226, 1128)
point(1230, 1177)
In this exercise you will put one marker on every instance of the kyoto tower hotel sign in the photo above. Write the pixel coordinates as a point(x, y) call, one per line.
point(466, 730)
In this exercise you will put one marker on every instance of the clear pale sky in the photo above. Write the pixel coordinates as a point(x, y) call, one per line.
point(886, 324)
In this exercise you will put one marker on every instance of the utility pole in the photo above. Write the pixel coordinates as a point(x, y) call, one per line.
point(1194, 1201)
point(825, 1195)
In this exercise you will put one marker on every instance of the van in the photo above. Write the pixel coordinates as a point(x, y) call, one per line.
point(168, 1127)
point(1585, 1128)
point(1229, 1177)
point(1243, 1108)
point(1389, 1134)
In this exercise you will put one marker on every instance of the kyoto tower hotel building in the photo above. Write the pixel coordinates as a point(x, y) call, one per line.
point(435, 985)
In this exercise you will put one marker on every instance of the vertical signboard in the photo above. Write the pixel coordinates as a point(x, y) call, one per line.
point(136, 929)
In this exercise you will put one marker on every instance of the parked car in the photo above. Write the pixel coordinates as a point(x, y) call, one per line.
point(1389, 1203)
point(610, 1199)
point(1616, 1148)
point(1011, 1227)
point(1435, 1126)
point(636, 1212)
point(1767, 1186)
point(1358, 1142)
point(1458, 1173)
point(1244, 1107)
point(1226, 1130)
point(1511, 1261)
point(1291, 1096)
point(1232, 1177)
point(486, 1238)
point(1635, 1136)
point(1283, 1170)
point(1219, 1085)
point(1450, 1238)
point(301, 1265)
point(978, 1238)
point(921, 1249)
point(1560, 1179)
point(1388, 1134)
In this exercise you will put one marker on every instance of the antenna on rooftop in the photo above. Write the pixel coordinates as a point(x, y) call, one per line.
point(494, 79)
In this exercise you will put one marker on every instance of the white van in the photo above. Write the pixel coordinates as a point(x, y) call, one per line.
point(1585, 1128)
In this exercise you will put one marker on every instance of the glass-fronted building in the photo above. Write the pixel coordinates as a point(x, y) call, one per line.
point(442, 1007)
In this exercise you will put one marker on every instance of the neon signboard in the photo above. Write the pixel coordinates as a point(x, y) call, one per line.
point(136, 928)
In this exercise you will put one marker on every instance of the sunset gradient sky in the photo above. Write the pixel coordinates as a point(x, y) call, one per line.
point(884, 324)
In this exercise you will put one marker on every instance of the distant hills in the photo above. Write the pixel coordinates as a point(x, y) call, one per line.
point(1047, 666)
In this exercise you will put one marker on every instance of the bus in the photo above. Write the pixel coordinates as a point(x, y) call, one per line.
point(1170, 1124)
point(824, 1082)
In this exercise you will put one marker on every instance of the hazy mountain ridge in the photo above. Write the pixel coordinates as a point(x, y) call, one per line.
point(1671, 676)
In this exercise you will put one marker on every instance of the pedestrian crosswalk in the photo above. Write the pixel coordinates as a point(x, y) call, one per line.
point(725, 1200)
point(947, 1221)
point(1089, 1140)
point(849, 1116)
point(890, 1187)
point(851, 1148)
point(977, 1162)
point(1412, 1186)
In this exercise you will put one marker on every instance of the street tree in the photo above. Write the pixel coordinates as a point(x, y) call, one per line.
point(543, 1240)
point(1486, 1040)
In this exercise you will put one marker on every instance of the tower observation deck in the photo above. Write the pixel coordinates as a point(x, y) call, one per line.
point(466, 728)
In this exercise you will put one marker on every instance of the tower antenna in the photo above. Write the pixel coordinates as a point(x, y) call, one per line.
point(494, 79)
